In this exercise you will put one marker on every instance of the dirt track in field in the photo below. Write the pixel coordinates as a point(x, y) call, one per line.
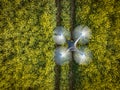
point(72, 21)
point(58, 67)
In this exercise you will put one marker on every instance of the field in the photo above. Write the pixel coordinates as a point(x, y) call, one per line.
point(27, 46)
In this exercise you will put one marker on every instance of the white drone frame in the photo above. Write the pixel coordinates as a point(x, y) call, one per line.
point(74, 47)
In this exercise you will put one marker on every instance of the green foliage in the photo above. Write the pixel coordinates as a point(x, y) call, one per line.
point(26, 45)
point(65, 16)
point(65, 13)
point(103, 72)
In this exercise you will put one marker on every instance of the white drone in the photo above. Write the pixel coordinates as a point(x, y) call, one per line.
point(81, 34)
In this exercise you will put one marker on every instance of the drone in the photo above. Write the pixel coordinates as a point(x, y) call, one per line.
point(81, 34)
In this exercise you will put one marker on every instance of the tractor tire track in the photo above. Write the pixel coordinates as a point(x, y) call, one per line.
point(71, 64)
point(57, 67)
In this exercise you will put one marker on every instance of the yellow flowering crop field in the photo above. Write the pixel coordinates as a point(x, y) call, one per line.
point(27, 46)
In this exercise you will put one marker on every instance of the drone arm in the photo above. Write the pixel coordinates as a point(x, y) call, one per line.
point(68, 49)
point(77, 41)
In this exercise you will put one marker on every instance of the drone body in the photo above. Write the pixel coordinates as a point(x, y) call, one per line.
point(71, 45)
point(82, 35)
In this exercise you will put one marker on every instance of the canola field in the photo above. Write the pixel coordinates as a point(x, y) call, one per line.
point(27, 46)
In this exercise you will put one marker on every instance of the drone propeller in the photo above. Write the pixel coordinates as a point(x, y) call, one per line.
point(83, 56)
point(62, 56)
point(81, 34)
point(60, 35)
